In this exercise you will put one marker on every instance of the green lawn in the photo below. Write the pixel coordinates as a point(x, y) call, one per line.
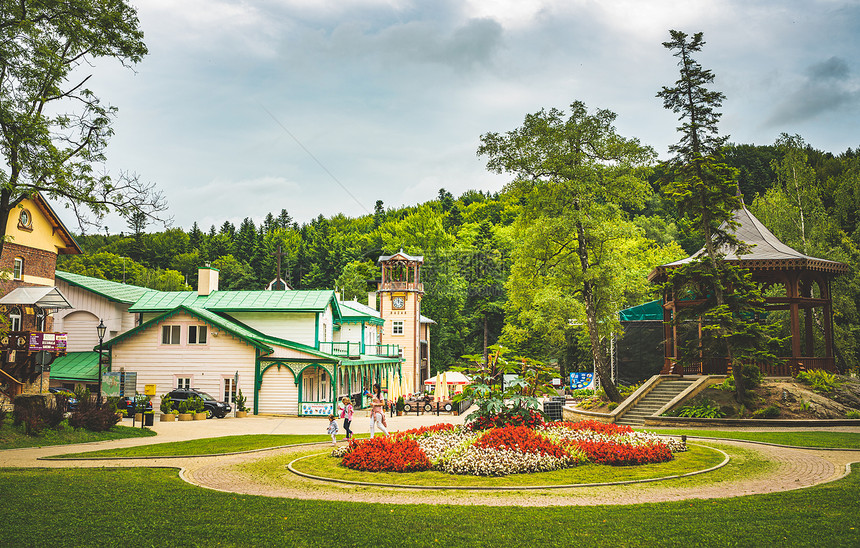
point(153, 507)
point(848, 440)
point(12, 437)
point(205, 446)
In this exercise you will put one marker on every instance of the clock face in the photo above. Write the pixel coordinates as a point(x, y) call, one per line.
point(398, 302)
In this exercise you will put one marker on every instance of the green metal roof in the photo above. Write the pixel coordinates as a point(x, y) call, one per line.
point(230, 325)
point(113, 291)
point(240, 301)
point(366, 359)
point(76, 366)
point(651, 311)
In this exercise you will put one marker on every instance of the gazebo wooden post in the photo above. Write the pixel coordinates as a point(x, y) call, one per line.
point(828, 319)
point(809, 340)
point(791, 287)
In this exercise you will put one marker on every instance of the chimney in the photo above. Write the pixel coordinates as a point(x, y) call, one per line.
point(207, 280)
point(371, 299)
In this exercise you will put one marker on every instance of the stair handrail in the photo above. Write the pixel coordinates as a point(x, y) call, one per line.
point(640, 393)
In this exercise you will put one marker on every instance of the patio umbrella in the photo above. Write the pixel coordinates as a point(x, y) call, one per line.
point(404, 386)
point(394, 391)
point(438, 392)
point(444, 395)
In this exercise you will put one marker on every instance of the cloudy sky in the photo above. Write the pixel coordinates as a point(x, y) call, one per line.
point(325, 106)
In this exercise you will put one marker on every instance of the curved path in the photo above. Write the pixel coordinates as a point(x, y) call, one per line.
point(792, 469)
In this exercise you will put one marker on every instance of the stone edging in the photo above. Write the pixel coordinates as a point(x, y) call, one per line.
point(506, 488)
point(765, 443)
point(692, 422)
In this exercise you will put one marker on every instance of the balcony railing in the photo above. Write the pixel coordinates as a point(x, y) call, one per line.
point(384, 350)
point(353, 349)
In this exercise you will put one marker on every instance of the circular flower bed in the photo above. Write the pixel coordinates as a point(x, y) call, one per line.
point(512, 449)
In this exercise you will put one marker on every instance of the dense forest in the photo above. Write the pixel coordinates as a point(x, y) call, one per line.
point(487, 275)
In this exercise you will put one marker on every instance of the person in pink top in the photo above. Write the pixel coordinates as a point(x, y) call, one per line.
point(377, 416)
point(346, 411)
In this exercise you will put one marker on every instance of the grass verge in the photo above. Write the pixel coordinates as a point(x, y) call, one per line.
point(847, 440)
point(12, 437)
point(697, 458)
point(165, 511)
point(205, 446)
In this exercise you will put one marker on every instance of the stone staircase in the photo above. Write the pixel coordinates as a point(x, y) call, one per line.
point(653, 401)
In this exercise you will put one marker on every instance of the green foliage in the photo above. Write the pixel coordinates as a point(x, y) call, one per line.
point(195, 404)
point(183, 407)
point(354, 280)
point(166, 404)
point(495, 397)
point(820, 380)
point(241, 400)
point(705, 409)
point(853, 414)
point(769, 412)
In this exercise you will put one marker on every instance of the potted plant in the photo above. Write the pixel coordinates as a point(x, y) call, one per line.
point(184, 415)
point(167, 409)
point(199, 413)
point(400, 405)
point(241, 410)
point(141, 402)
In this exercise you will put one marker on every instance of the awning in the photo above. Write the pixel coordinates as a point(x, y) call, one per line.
point(43, 297)
point(76, 366)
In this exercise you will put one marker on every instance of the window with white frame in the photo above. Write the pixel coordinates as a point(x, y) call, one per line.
point(197, 334)
point(230, 389)
point(18, 269)
point(15, 318)
point(183, 383)
point(170, 334)
point(397, 327)
point(40, 318)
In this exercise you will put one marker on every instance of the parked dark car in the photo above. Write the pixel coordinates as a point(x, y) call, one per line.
point(211, 406)
point(71, 402)
point(127, 404)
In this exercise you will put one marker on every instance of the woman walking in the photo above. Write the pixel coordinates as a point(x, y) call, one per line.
point(377, 415)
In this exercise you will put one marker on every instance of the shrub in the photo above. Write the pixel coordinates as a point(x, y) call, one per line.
point(770, 412)
point(36, 412)
point(2, 418)
point(166, 405)
point(93, 416)
point(853, 414)
point(240, 401)
point(183, 407)
point(819, 379)
point(706, 409)
point(386, 454)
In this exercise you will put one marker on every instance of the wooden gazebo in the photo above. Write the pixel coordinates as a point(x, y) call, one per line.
point(771, 263)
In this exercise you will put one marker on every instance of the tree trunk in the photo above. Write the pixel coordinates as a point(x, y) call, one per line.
point(485, 337)
point(591, 320)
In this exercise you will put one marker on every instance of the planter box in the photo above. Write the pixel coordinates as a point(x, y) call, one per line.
point(138, 417)
point(168, 417)
point(200, 416)
point(241, 414)
point(185, 416)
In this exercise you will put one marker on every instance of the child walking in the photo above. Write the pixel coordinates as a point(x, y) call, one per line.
point(332, 429)
point(346, 411)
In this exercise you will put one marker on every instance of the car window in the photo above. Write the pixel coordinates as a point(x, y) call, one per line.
point(205, 396)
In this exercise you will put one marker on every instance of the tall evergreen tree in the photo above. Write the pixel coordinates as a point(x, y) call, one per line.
point(706, 191)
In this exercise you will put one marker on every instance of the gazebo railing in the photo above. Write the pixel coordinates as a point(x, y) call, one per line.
point(785, 367)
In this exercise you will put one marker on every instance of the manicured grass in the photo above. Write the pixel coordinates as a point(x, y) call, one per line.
point(848, 440)
point(12, 437)
point(697, 458)
point(206, 446)
point(165, 511)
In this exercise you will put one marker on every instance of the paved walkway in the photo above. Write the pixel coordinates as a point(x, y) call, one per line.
point(794, 468)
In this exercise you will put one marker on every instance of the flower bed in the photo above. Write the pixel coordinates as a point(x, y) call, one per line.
point(508, 450)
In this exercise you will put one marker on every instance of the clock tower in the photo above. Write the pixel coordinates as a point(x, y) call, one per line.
point(400, 293)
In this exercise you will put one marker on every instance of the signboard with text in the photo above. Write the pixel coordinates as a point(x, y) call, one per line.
point(49, 342)
point(579, 381)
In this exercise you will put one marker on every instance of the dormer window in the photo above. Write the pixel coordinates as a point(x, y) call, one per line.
point(18, 269)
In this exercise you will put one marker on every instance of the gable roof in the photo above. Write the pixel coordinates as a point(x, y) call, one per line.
point(400, 256)
point(60, 230)
point(354, 311)
point(236, 328)
point(112, 291)
point(239, 301)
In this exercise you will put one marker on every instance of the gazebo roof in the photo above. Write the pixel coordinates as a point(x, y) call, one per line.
point(767, 253)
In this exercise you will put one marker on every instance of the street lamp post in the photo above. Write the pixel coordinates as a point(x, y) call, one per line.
point(100, 329)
